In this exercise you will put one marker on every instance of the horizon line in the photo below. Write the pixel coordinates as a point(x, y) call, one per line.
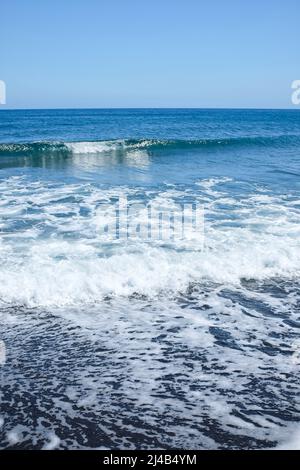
point(295, 108)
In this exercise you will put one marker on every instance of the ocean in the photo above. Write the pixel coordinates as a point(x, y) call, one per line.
point(149, 342)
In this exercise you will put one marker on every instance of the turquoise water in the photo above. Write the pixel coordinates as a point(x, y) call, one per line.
point(149, 343)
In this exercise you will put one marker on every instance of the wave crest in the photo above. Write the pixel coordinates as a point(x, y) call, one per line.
point(101, 146)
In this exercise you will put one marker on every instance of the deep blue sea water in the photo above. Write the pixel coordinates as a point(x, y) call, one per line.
point(135, 343)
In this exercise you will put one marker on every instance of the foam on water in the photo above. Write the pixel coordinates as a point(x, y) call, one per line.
point(91, 147)
point(68, 259)
point(212, 369)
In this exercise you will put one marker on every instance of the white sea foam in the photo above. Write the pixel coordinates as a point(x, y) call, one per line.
point(291, 443)
point(67, 260)
point(52, 443)
point(61, 273)
point(95, 147)
point(91, 147)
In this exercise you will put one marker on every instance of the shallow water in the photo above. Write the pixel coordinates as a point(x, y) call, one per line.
point(149, 343)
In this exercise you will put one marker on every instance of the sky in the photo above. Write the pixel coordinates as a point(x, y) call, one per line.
point(149, 53)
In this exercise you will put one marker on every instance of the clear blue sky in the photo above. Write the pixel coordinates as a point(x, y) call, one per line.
point(149, 53)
